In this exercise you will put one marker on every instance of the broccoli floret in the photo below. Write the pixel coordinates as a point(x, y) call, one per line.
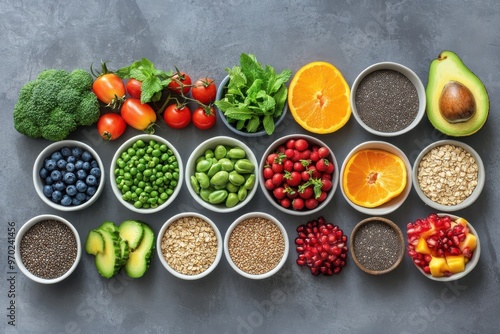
point(55, 104)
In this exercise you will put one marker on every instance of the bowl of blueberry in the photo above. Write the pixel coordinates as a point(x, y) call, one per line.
point(68, 175)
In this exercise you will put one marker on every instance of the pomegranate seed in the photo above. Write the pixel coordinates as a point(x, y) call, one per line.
point(299, 249)
point(427, 270)
point(337, 270)
point(300, 262)
point(299, 241)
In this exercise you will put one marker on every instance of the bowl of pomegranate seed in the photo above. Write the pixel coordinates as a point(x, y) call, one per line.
point(377, 245)
point(298, 174)
point(322, 247)
point(443, 247)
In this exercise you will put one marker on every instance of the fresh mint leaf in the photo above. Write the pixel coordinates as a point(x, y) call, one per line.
point(280, 100)
point(253, 124)
point(251, 67)
point(149, 88)
point(265, 102)
point(236, 78)
point(281, 79)
point(268, 123)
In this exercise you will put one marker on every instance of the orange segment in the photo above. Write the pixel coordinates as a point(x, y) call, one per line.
point(318, 98)
point(373, 177)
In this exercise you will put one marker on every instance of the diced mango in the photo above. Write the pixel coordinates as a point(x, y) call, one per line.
point(461, 221)
point(428, 233)
point(456, 263)
point(470, 241)
point(422, 246)
point(438, 266)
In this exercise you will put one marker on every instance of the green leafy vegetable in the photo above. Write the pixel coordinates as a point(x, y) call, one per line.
point(153, 80)
point(255, 96)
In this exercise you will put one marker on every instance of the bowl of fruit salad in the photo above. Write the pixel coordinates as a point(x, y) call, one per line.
point(443, 247)
point(298, 174)
point(68, 175)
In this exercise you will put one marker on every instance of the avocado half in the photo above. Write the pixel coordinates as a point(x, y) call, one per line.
point(457, 101)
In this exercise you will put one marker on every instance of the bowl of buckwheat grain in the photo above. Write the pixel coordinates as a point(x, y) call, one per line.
point(448, 175)
point(256, 245)
point(189, 245)
point(48, 249)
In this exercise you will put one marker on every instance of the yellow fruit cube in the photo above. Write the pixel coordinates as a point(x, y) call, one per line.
point(456, 263)
point(438, 266)
point(422, 246)
point(470, 241)
point(428, 233)
point(461, 221)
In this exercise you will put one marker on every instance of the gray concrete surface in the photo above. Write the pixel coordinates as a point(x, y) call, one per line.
point(203, 38)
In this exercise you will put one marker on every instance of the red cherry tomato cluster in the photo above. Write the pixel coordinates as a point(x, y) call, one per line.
point(298, 174)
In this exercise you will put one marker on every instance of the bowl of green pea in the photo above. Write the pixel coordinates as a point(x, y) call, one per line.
point(221, 174)
point(146, 173)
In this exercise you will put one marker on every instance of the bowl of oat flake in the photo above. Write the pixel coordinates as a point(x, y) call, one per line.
point(448, 175)
point(189, 245)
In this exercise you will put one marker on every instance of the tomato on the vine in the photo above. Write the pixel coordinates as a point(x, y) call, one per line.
point(133, 88)
point(111, 126)
point(204, 118)
point(139, 116)
point(181, 81)
point(177, 116)
point(204, 91)
point(108, 87)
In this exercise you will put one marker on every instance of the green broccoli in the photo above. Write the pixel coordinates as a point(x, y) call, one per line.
point(55, 104)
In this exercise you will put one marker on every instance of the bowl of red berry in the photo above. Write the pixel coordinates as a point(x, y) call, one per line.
point(443, 247)
point(299, 174)
point(322, 247)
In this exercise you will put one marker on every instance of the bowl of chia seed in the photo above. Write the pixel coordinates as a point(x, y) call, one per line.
point(377, 245)
point(388, 99)
point(48, 249)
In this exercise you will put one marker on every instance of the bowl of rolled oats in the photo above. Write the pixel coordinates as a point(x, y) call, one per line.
point(448, 175)
point(189, 245)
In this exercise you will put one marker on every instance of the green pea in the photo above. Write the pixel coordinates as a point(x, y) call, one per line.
point(236, 178)
point(232, 200)
point(217, 196)
point(220, 178)
point(250, 182)
point(220, 152)
point(236, 153)
point(140, 143)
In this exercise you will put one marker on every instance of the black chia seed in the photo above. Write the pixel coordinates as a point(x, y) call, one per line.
point(386, 101)
point(48, 249)
point(377, 246)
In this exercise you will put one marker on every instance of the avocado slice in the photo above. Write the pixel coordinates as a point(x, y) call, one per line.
point(457, 101)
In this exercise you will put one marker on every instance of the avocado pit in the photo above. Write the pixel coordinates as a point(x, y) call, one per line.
point(456, 103)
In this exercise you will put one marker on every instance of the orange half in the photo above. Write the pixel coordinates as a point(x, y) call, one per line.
point(373, 177)
point(318, 98)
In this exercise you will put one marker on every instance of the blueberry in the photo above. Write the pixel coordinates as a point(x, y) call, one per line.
point(86, 156)
point(49, 181)
point(50, 164)
point(70, 167)
point(61, 164)
point(81, 196)
point(66, 200)
point(71, 190)
point(86, 166)
point(75, 202)
point(81, 186)
point(71, 159)
point(56, 175)
point(69, 178)
point(43, 173)
point(77, 152)
point(79, 164)
point(81, 174)
point(56, 156)
point(91, 180)
point(65, 152)
point(56, 196)
point(48, 190)
point(96, 171)
point(91, 190)
point(59, 185)
point(94, 164)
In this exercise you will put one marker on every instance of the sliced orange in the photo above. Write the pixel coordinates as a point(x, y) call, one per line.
point(318, 98)
point(373, 177)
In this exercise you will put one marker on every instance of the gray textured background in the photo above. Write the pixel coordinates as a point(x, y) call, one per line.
point(203, 38)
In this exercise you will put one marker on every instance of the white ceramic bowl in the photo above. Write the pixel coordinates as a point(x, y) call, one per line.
point(469, 266)
point(242, 219)
point(220, 95)
point(268, 193)
point(406, 72)
point(471, 198)
point(39, 183)
point(164, 261)
point(191, 169)
point(394, 203)
point(20, 234)
point(127, 144)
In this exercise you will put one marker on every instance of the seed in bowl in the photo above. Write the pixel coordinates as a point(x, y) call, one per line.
point(189, 245)
point(48, 249)
point(256, 245)
point(448, 174)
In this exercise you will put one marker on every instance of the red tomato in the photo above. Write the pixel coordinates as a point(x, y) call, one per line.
point(181, 81)
point(204, 91)
point(301, 145)
point(111, 126)
point(133, 87)
point(177, 117)
point(109, 89)
point(139, 116)
point(204, 118)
